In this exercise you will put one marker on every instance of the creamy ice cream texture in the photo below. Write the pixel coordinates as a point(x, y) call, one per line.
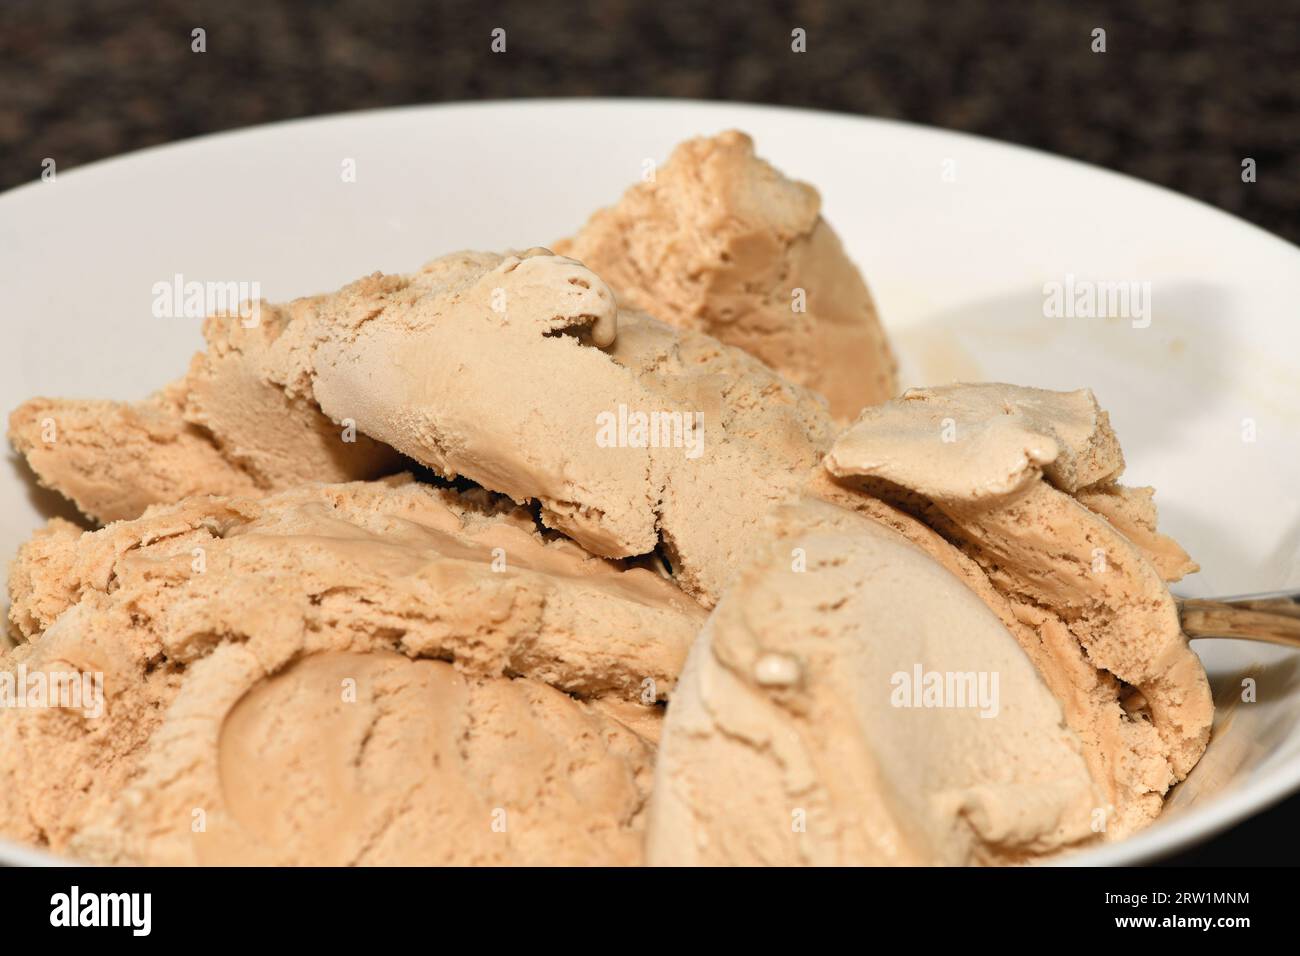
point(963, 534)
point(389, 670)
point(359, 639)
point(1023, 482)
point(721, 242)
point(229, 427)
point(789, 741)
point(501, 370)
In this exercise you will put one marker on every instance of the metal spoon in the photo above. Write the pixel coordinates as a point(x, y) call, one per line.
point(1273, 618)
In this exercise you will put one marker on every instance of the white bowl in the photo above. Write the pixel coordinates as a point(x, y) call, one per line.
point(956, 235)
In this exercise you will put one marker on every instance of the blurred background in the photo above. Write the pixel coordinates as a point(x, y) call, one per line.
point(1185, 91)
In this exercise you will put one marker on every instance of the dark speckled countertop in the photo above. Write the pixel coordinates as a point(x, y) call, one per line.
point(1185, 91)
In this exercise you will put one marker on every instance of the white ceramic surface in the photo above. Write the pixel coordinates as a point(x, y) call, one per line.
point(956, 235)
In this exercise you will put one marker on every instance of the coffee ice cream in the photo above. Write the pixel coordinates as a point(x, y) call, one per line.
point(719, 241)
point(227, 631)
point(527, 558)
point(521, 374)
point(226, 428)
point(1023, 482)
point(796, 736)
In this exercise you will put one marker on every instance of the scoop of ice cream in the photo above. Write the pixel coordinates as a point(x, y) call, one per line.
point(850, 702)
point(720, 242)
point(226, 428)
point(277, 436)
point(490, 367)
point(445, 575)
point(346, 758)
point(517, 372)
point(1024, 483)
point(114, 459)
point(205, 617)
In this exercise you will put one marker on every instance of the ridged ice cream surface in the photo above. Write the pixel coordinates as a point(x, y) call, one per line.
point(624, 552)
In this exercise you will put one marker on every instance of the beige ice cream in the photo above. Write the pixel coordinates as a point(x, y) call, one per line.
point(518, 373)
point(797, 737)
point(521, 374)
point(422, 766)
point(1023, 482)
point(309, 659)
point(225, 628)
point(720, 242)
point(226, 428)
point(114, 459)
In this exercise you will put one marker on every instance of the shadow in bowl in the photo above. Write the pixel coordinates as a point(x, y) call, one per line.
point(1009, 339)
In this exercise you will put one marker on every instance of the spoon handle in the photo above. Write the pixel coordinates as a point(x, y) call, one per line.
point(1272, 618)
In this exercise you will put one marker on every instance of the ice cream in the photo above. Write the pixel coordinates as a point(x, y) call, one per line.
point(424, 767)
point(301, 654)
point(801, 733)
point(720, 242)
point(114, 459)
point(1023, 482)
point(221, 625)
point(226, 428)
point(964, 534)
point(521, 374)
